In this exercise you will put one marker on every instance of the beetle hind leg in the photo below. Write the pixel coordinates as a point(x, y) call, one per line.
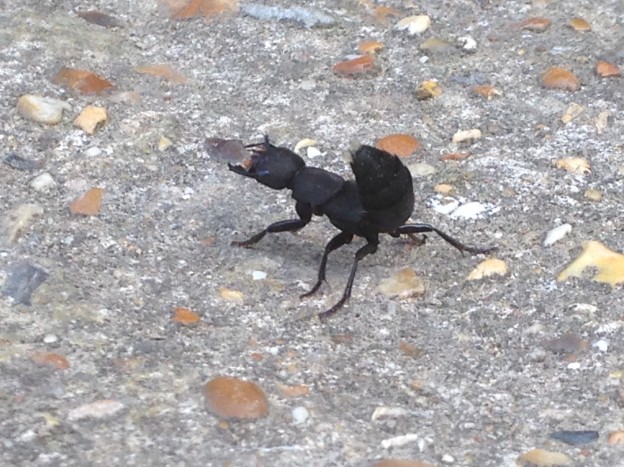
point(408, 229)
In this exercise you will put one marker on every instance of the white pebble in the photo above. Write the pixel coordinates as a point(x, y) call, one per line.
point(93, 152)
point(467, 43)
point(28, 436)
point(97, 409)
point(258, 275)
point(300, 414)
point(556, 234)
point(421, 169)
point(399, 440)
point(50, 338)
point(414, 24)
point(601, 344)
point(42, 109)
point(313, 152)
point(383, 411)
point(448, 459)
point(468, 210)
point(43, 182)
point(467, 135)
point(574, 366)
point(445, 205)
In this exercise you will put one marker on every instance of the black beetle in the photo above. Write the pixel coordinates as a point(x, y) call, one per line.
point(379, 200)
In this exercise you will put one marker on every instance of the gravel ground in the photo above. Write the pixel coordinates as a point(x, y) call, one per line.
point(473, 373)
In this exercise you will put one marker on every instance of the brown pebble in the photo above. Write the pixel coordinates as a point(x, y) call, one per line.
point(229, 397)
point(567, 343)
point(90, 204)
point(616, 437)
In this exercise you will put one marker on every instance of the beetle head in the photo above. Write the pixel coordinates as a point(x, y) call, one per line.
point(270, 165)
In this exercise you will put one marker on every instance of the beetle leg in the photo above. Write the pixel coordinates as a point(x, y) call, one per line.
point(339, 240)
point(368, 249)
point(305, 215)
point(423, 228)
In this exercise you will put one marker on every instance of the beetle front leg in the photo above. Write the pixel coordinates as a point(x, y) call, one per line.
point(424, 228)
point(305, 215)
point(343, 238)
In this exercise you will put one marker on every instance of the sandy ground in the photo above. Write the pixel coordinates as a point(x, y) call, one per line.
point(473, 373)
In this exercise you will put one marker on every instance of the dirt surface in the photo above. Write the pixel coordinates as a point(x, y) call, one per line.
point(472, 372)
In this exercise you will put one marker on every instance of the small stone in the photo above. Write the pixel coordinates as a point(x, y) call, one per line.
point(487, 268)
point(17, 220)
point(229, 397)
point(608, 264)
point(602, 121)
point(534, 24)
point(573, 111)
point(50, 339)
point(445, 205)
point(560, 78)
point(557, 234)
point(370, 47)
point(293, 391)
point(304, 143)
point(230, 295)
point(606, 69)
point(355, 66)
point(448, 459)
point(463, 136)
point(258, 275)
point(313, 152)
point(567, 343)
point(300, 414)
point(50, 359)
point(398, 441)
point(93, 152)
point(580, 25)
point(404, 284)
point(90, 118)
point(421, 169)
point(575, 437)
point(415, 24)
point(98, 409)
point(89, 204)
point(593, 195)
point(575, 165)
point(601, 344)
point(164, 143)
point(488, 91)
point(616, 437)
point(20, 163)
point(443, 188)
point(389, 412)
point(469, 211)
point(467, 43)
point(43, 182)
point(399, 144)
point(428, 90)
point(543, 458)
point(42, 109)
point(22, 281)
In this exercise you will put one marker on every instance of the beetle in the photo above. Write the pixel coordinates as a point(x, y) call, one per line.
point(379, 201)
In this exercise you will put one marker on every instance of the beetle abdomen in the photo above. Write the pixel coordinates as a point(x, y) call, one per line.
point(385, 187)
